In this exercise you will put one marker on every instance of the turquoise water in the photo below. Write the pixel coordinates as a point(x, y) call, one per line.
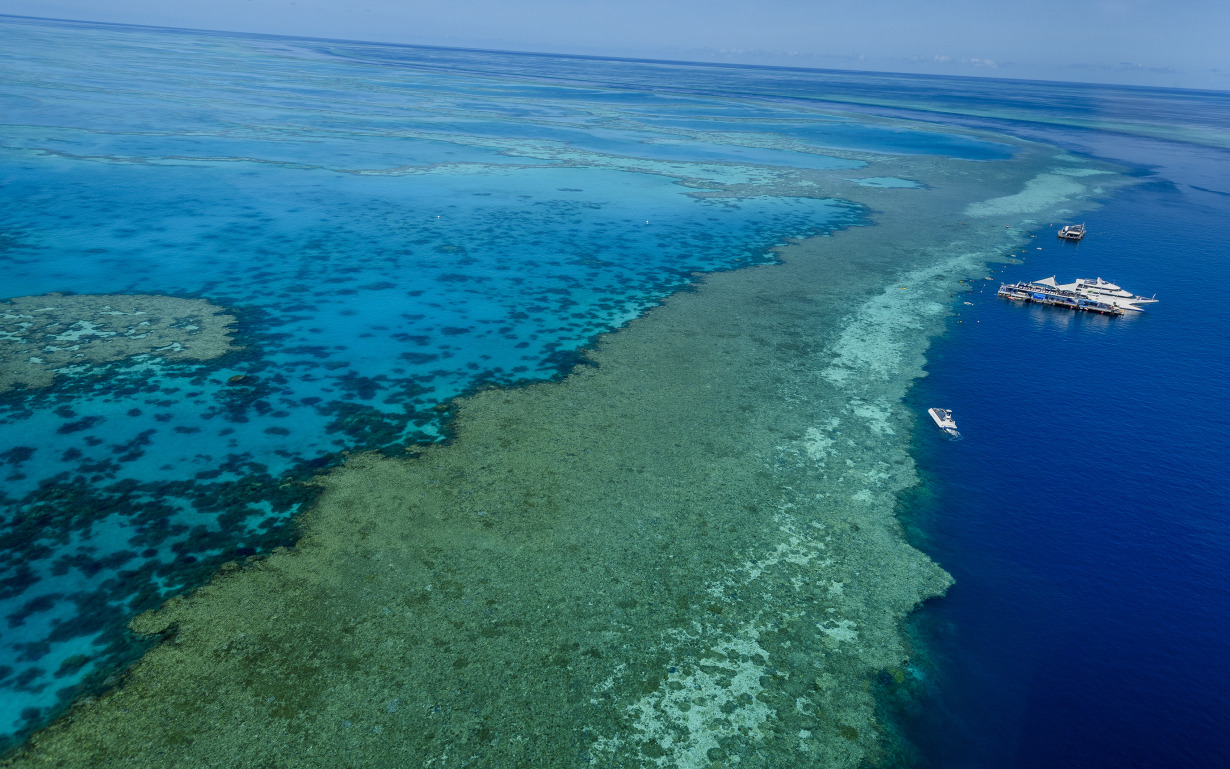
point(889, 182)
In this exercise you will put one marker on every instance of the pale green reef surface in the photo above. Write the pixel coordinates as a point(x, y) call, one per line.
point(41, 336)
point(684, 555)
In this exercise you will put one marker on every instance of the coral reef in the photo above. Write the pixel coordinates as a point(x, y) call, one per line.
point(41, 336)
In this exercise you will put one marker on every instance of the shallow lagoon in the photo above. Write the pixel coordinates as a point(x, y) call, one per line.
point(375, 274)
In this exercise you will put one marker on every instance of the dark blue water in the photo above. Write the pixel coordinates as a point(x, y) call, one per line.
point(1084, 516)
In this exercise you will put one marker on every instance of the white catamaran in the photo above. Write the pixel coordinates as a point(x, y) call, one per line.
point(1101, 291)
point(1072, 231)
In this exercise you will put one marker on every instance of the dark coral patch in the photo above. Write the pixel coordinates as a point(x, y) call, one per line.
point(418, 358)
point(17, 454)
point(84, 423)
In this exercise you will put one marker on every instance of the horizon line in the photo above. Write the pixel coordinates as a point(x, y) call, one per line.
point(607, 57)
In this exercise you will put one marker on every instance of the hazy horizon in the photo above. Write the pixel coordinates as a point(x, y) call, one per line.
point(1120, 42)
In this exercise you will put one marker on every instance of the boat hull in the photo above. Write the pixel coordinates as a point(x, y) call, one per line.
point(943, 420)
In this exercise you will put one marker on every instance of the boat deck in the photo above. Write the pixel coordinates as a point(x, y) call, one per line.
point(1041, 294)
point(1072, 232)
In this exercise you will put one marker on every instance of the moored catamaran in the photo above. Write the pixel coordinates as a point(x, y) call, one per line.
point(1095, 295)
point(1072, 231)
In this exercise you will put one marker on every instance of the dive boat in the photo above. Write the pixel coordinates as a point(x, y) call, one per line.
point(943, 419)
point(1105, 291)
point(1047, 292)
point(1072, 231)
point(1102, 291)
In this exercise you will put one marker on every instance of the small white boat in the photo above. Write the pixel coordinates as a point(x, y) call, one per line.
point(1072, 231)
point(943, 419)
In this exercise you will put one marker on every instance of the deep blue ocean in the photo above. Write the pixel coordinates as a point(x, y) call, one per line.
point(362, 209)
point(1084, 514)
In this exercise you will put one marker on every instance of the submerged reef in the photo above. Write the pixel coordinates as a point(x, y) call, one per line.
point(41, 336)
point(685, 554)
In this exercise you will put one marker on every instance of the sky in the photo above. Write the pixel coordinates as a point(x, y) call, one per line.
point(1170, 43)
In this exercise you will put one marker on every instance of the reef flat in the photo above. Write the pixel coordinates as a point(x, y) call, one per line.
point(41, 336)
point(684, 554)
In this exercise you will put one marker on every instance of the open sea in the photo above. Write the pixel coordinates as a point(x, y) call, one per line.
point(1084, 514)
point(389, 228)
